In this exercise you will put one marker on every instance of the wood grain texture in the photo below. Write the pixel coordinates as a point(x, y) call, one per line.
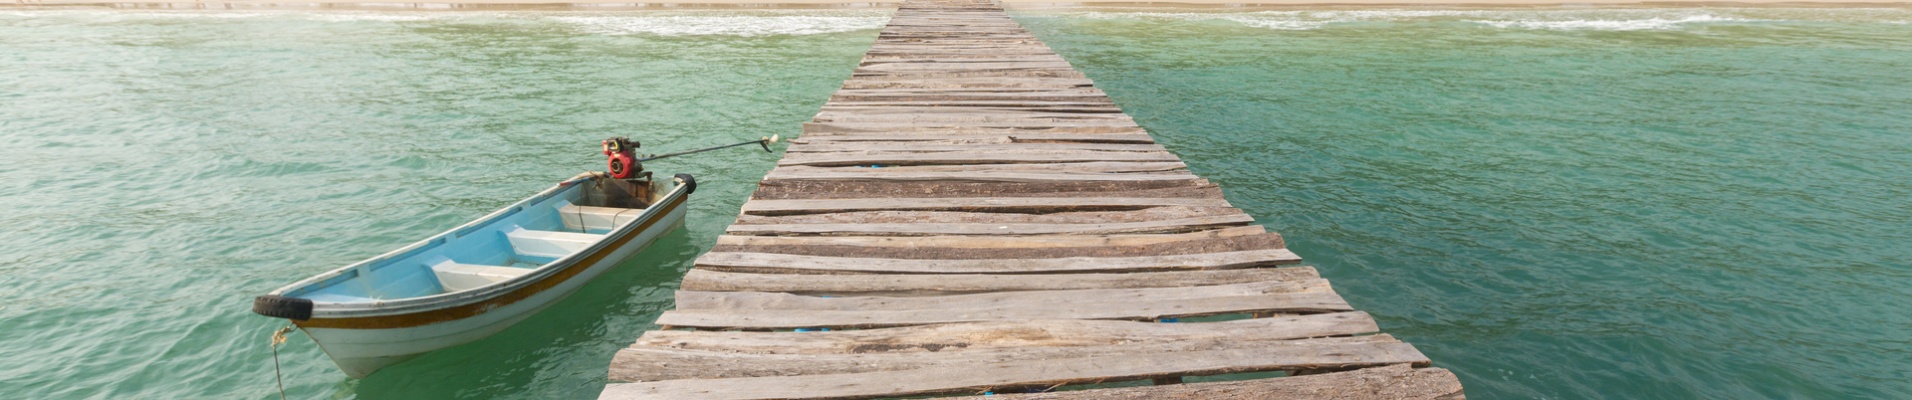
point(986, 176)
point(1008, 374)
point(1010, 334)
point(972, 204)
point(912, 147)
point(1048, 241)
point(712, 280)
point(648, 364)
point(844, 159)
point(969, 213)
point(1013, 249)
point(753, 310)
point(1082, 167)
point(982, 136)
point(1018, 229)
point(1190, 187)
point(932, 217)
point(1394, 382)
point(800, 263)
point(1009, 127)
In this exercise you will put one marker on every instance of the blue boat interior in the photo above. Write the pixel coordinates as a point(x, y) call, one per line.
point(510, 243)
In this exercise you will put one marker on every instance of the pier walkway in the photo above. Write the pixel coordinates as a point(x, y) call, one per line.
point(969, 215)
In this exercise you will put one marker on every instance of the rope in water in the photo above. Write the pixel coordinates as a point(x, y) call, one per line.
point(278, 338)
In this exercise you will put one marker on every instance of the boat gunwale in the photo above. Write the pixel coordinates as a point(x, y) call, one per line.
point(411, 305)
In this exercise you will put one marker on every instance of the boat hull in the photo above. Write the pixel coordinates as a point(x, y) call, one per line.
point(361, 346)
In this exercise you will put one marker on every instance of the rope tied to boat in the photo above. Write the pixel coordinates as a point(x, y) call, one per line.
point(278, 338)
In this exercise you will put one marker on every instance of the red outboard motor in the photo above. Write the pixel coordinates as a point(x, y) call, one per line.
point(623, 157)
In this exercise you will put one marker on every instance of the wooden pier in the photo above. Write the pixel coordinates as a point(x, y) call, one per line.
point(970, 215)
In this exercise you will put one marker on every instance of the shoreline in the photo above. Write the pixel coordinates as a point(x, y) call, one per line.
point(616, 5)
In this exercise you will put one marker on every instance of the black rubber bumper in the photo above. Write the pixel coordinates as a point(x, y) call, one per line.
point(276, 306)
point(690, 184)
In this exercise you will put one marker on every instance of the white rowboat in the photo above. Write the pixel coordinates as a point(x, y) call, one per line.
point(479, 278)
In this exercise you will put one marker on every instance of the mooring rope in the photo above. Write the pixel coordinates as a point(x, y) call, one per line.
point(278, 338)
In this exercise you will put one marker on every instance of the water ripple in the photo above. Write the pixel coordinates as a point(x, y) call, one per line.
point(1703, 207)
point(160, 168)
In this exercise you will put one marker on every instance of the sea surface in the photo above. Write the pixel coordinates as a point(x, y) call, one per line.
point(1553, 203)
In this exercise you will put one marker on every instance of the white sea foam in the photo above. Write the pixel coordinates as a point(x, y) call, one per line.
point(374, 16)
point(1611, 24)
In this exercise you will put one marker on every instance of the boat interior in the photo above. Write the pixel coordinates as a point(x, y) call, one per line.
point(508, 244)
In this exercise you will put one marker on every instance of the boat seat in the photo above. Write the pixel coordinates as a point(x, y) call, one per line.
point(589, 218)
point(458, 277)
point(550, 244)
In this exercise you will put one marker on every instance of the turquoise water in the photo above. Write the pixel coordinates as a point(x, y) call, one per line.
point(163, 168)
point(1649, 203)
point(1660, 203)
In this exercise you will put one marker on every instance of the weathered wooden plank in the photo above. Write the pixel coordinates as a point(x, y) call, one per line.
point(1065, 92)
point(1197, 246)
point(970, 177)
point(926, 114)
point(1394, 382)
point(884, 96)
point(976, 82)
point(648, 364)
point(932, 50)
point(930, 105)
point(968, 99)
point(1024, 300)
point(913, 147)
point(1072, 90)
point(828, 189)
point(1056, 63)
point(977, 176)
point(1081, 167)
point(965, 117)
point(994, 42)
point(1010, 334)
point(987, 242)
point(1084, 167)
point(896, 33)
point(1056, 305)
point(1007, 374)
point(712, 280)
point(970, 157)
point(944, 104)
point(979, 137)
point(970, 74)
point(956, 217)
point(1051, 127)
point(799, 263)
point(970, 204)
point(964, 58)
point(935, 229)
